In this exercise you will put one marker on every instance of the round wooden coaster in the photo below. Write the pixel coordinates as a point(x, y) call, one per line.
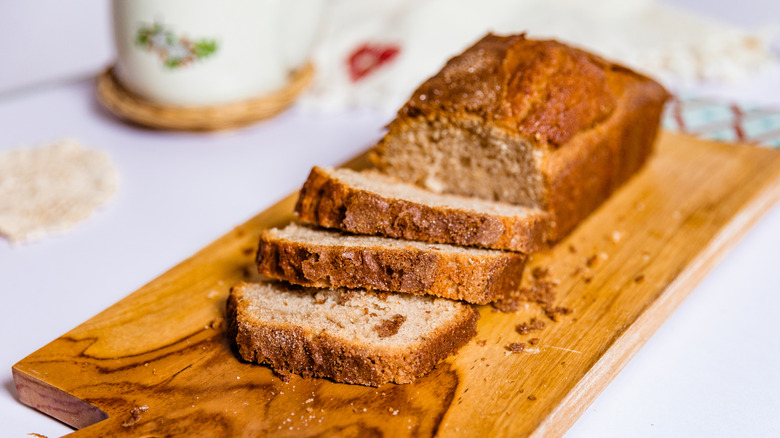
point(129, 106)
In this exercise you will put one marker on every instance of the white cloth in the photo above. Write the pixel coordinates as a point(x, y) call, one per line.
point(672, 45)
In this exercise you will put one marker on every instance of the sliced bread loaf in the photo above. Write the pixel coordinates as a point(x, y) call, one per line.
point(310, 256)
point(525, 121)
point(372, 203)
point(347, 335)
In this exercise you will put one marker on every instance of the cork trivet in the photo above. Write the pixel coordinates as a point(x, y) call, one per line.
point(131, 107)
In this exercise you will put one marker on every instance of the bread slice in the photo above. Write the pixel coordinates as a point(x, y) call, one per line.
point(375, 204)
point(309, 256)
point(529, 122)
point(347, 335)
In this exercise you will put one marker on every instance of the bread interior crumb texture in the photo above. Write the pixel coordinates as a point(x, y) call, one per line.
point(350, 315)
point(391, 188)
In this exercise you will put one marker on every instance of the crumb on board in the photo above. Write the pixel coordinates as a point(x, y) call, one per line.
point(515, 347)
point(135, 416)
point(541, 291)
point(481, 342)
point(527, 327)
point(533, 341)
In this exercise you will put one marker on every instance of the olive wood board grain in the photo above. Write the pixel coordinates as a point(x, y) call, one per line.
point(157, 363)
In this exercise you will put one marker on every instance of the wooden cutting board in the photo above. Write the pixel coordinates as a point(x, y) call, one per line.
point(157, 363)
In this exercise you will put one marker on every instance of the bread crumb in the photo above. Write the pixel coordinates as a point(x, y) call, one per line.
point(540, 272)
point(616, 236)
point(481, 342)
point(592, 261)
point(532, 397)
point(135, 416)
point(555, 313)
point(533, 341)
point(639, 278)
point(516, 347)
point(528, 327)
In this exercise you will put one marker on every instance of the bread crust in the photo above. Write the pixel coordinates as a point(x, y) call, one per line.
point(457, 276)
point(539, 89)
point(591, 123)
point(328, 202)
point(294, 349)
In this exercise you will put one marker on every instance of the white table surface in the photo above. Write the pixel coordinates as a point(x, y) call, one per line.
point(711, 370)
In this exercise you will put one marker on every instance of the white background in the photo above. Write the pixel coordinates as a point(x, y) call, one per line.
point(711, 370)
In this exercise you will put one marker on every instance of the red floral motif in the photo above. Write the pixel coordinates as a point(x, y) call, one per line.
point(368, 57)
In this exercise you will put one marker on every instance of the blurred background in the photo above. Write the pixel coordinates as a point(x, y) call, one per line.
point(49, 41)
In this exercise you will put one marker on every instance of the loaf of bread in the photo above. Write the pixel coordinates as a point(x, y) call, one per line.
point(347, 335)
point(375, 204)
point(318, 257)
point(529, 122)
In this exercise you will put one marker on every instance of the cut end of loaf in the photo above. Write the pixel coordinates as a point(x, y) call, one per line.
point(348, 335)
point(465, 157)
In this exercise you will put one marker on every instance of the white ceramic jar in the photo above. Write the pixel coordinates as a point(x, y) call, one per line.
point(211, 52)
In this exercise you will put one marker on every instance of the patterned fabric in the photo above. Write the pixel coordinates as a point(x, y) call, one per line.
point(724, 121)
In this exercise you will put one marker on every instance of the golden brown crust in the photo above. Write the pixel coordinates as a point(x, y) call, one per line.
point(293, 349)
point(328, 202)
point(594, 163)
point(541, 90)
point(460, 276)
